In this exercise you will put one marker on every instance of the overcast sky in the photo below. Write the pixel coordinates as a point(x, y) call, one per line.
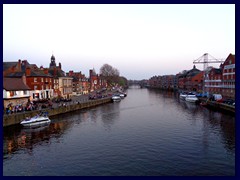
point(139, 40)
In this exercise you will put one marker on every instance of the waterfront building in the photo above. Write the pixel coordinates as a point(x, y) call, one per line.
point(197, 82)
point(15, 91)
point(11, 67)
point(38, 79)
point(228, 77)
point(65, 87)
point(153, 82)
point(182, 80)
point(80, 83)
point(190, 80)
point(93, 80)
point(213, 80)
point(56, 72)
point(163, 82)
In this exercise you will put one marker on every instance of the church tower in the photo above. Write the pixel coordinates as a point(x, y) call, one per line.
point(53, 63)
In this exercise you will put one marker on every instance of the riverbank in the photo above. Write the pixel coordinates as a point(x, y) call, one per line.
point(217, 105)
point(13, 119)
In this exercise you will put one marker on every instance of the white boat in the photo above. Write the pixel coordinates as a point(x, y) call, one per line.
point(122, 96)
point(183, 96)
point(191, 98)
point(36, 120)
point(116, 98)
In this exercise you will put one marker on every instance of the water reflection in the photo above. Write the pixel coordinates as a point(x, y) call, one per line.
point(154, 129)
point(20, 138)
point(218, 122)
point(110, 114)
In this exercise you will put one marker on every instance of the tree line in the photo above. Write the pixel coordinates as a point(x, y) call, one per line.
point(112, 76)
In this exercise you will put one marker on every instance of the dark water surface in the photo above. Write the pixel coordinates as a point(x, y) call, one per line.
point(148, 133)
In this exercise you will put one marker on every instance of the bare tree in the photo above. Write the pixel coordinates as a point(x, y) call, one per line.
point(107, 70)
point(109, 73)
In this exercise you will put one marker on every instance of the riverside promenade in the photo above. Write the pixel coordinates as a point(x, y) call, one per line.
point(218, 106)
point(75, 105)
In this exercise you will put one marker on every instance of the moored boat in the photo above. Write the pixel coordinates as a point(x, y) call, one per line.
point(191, 98)
point(116, 98)
point(121, 96)
point(37, 120)
point(183, 96)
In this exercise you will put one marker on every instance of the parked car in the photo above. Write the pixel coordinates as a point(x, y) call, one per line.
point(202, 95)
point(216, 97)
point(229, 102)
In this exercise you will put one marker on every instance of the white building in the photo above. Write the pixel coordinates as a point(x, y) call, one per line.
point(15, 92)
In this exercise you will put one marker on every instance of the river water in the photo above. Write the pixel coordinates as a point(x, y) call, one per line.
point(149, 133)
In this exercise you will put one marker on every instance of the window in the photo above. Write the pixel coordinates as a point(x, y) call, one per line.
point(35, 87)
point(13, 93)
point(35, 79)
point(25, 92)
point(41, 79)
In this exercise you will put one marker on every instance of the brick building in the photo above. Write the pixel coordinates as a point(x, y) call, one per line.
point(213, 81)
point(228, 77)
point(80, 84)
point(37, 79)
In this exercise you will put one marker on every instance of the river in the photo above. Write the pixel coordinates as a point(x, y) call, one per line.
point(148, 133)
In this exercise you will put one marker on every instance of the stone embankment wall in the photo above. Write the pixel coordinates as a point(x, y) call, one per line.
point(18, 117)
point(218, 106)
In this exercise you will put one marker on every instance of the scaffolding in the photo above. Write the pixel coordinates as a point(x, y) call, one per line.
point(205, 59)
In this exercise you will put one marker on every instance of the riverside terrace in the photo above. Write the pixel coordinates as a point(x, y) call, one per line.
point(16, 118)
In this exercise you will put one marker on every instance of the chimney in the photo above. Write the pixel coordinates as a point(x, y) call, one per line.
point(24, 64)
point(19, 65)
point(55, 72)
point(70, 73)
point(24, 79)
point(28, 71)
point(46, 71)
point(90, 73)
point(60, 66)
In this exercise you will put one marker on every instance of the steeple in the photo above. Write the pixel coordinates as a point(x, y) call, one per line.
point(53, 63)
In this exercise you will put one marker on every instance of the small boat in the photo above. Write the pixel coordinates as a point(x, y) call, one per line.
point(121, 96)
point(191, 98)
point(183, 96)
point(116, 98)
point(37, 120)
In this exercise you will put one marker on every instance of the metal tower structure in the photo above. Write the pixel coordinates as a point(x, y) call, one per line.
point(205, 59)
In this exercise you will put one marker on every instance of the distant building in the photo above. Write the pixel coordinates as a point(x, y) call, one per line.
point(163, 82)
point(65, 87)
point(197, 82)
point(190, 80)
point(93, 80)
point(57, 73)
point(80, 83)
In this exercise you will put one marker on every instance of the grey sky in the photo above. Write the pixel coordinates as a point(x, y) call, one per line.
point(139, 40)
